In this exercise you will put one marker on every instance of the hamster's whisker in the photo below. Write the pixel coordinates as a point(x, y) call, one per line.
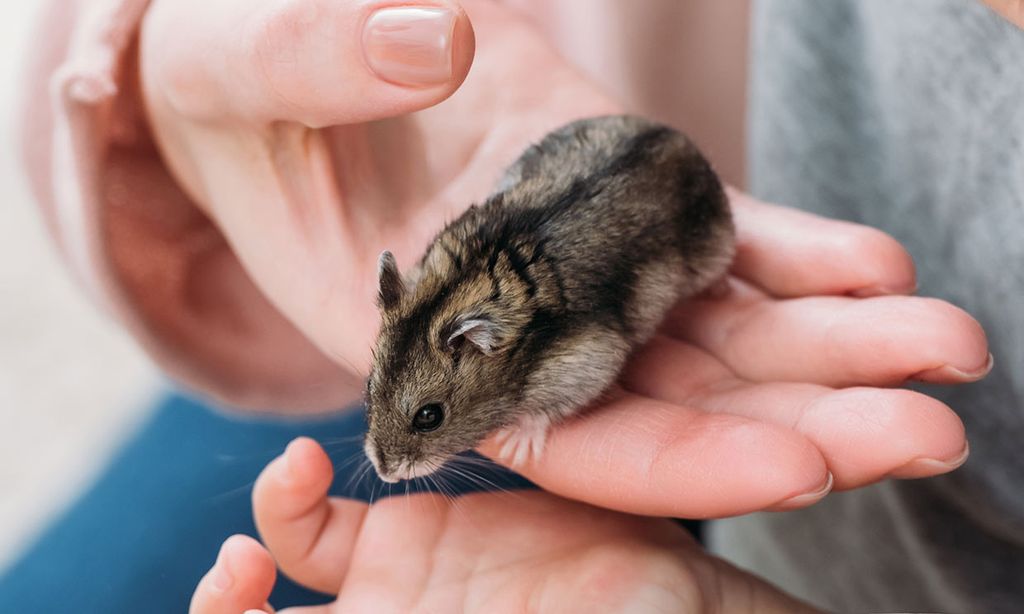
point(264, 453)
point(433, 485)
point(449, 495)
point(452, 467)
point(355, 371)
point(339, 440)
point(486, 484)
point(440, 477)
point(408, 505)
point(358, 475)
point(358, 471)
point(344, 463)
point(221, 497)
point(466, 477)
point(353, 479)
point(474, 461)
point(458, 505)
point(469, 463)
point(435, 478)
point(373, 491)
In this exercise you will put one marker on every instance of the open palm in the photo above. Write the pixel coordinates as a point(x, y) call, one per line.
point(487, 553)
point(765, 397)
point(777, 391)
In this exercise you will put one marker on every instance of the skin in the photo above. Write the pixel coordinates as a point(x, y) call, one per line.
point(1011, 10)
point(514, 552)
point(764, 397)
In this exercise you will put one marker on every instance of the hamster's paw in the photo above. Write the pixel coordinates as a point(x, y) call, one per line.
point(717, 289)
point(524, 441)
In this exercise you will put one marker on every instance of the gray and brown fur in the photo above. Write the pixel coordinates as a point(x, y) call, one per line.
point(525, 308)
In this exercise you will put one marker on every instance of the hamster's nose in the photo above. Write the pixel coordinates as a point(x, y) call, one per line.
point(373, 452)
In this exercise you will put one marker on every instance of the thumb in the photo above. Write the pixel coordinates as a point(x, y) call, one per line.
point(727, 588)
point(318, 62)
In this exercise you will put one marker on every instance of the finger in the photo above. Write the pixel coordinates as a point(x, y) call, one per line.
point(323, 202)
point(736, 590)
point(645, 456)
point(240, 580)
point(836, 341)
point(319, 62)
point(1011, 10)
point(793, 253)
point(864, 434)
point(310, 536)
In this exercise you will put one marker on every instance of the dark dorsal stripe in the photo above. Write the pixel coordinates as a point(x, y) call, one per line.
point(494, 232)
point(455, 257)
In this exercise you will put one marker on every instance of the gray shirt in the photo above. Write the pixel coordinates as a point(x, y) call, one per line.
point(909, 116)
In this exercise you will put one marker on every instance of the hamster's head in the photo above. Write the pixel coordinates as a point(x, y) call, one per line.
point(442, 377)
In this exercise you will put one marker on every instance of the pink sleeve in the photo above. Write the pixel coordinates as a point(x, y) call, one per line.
point(134, 240)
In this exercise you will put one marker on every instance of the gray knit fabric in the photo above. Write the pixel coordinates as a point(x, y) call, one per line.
point(907, 115)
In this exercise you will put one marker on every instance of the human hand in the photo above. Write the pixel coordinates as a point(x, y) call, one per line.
point(493, 552)
point(771, 395)
point(310, 160)
point(762, 399)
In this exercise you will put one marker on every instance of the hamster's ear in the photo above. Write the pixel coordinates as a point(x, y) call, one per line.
point(484, 334)
point(391, 285)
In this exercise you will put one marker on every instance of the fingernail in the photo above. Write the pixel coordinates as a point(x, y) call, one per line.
point(807, 498)
point(923, 467)
point(871, 291)
point(220, 576)
point(410, 45)
point(949, 372)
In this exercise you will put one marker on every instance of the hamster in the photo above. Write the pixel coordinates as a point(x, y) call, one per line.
point(524, 309)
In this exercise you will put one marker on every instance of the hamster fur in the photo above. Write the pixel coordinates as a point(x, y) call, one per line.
point(525, 308)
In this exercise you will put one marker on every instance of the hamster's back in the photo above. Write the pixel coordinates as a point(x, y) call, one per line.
point(609, 197)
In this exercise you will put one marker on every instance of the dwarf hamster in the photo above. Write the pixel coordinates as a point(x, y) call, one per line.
point(524, 309)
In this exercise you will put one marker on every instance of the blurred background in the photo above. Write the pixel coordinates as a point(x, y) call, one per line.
point(72, 385)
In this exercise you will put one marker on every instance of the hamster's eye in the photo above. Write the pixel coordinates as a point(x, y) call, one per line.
point(428, 418)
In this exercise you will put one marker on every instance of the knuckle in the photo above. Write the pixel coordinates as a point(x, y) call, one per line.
point(177, 70)
point(169, 69)
point(279, 40)
point(273, 37)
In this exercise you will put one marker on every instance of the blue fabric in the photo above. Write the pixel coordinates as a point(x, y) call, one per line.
point(139, 540)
